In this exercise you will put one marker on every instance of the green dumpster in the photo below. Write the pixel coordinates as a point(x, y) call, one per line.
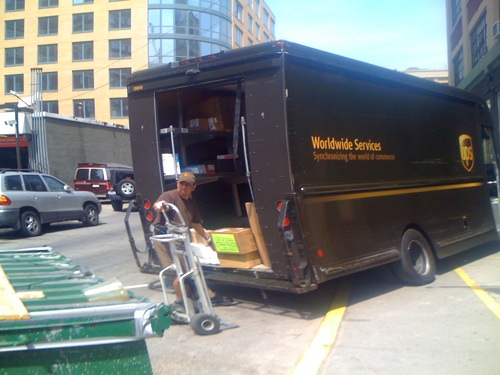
point(58, 318)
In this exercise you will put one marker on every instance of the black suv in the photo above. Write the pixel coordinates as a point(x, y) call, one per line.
point(107, 180)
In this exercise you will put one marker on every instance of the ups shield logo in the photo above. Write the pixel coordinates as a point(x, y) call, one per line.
point(466, 153)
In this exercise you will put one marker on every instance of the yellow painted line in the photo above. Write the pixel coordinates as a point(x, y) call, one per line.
point(483, 296)
point(322, 343)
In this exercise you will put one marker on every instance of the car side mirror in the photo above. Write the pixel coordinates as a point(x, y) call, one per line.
point(68, 188)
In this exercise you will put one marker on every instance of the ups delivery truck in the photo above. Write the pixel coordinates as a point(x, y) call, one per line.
point(342, 165)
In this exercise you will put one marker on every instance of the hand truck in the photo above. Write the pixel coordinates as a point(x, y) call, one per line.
point(198, 313)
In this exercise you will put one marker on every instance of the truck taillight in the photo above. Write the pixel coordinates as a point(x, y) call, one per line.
point(5, 201)
point(109, 186)
point(147, 207)
point(284, 220)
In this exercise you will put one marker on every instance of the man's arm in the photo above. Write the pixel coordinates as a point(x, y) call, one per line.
point(201, 231)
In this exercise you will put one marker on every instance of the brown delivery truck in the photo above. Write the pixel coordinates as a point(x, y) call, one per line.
point(335, 165)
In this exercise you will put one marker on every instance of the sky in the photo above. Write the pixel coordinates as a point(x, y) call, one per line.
point(395, 34)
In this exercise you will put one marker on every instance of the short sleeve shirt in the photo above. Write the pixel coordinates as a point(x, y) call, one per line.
point(187, 208)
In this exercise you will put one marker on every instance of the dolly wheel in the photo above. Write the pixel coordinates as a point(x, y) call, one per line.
point(205, 324)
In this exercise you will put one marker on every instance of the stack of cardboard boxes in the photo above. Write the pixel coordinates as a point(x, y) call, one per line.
point(236, 247)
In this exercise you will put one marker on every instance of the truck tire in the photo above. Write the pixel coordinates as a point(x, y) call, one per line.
point(91, 217)
point(30, 224)
point(417, 265)
point(117, 205)
point(205, 324)
point(126, 188)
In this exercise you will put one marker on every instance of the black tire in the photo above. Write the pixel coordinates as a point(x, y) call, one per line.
point(91, 217)
point(117, 205)
point(126, 189)
point(30, 224)
point(417, 265)
point(205, 324)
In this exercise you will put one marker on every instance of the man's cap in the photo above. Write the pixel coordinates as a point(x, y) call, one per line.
point(187, 177)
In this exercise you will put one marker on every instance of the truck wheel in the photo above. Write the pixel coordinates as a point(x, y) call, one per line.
point(126, 188)
point(117, 205)
point(91, 217)
point(417, 265)
point(205, 324)
point(30, 224)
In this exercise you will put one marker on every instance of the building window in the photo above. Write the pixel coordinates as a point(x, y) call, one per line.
point(47, 26)
point(118, 77)
point(161, 21)
point(14, 5)
point(266, 37)
point(51, 106)
point(478, 41)
point(80, 2)
point(119, 107)
point(84, 108)
point(257, 8)
point(14, 56)
point(238, 36)
point(48, 4)
point(273, 26)
point(83, 51)
point(14, 29)
point(239, 10)
point(14, 82)
point(250, 23)
point(266, 18)
point(120, 48)
point(456, 11)
point(83, 22)
point(120, 19)
point(49, 81)
point(83, 79)
point(47, 54)
point(257, 31)
point(458, 66)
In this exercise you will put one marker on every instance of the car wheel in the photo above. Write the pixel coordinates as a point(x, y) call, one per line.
point(417, 265)
point(126, 188)
point(91, 217)
point(117, 205)
point(30, 224)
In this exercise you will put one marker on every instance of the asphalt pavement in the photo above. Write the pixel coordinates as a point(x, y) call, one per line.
point(366, 323)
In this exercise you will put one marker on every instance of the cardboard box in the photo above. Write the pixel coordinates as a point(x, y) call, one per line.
point(195, 169)
point(210, 168)
point(219, 113)
point(234, 240)
point(247, 260)
point(198, 124)
point(253, 218)
point(197, 239)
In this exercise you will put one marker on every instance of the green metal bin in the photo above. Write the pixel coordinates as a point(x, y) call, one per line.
point(76, 323)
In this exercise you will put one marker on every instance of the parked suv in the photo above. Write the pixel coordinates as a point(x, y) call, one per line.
point(30, 200)
point(106, 180)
